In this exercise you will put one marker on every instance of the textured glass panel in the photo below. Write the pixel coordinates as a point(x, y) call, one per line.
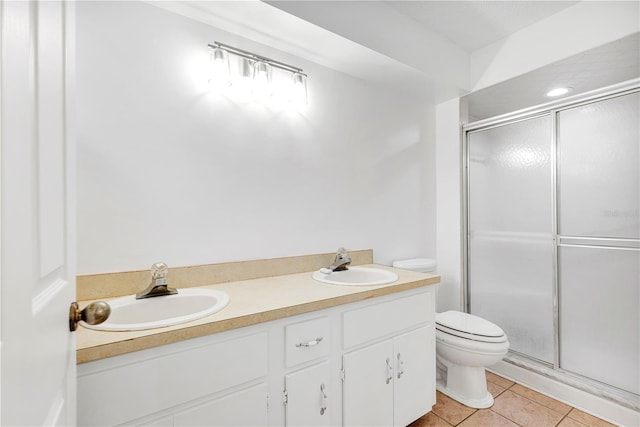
point(600, 315)
point(512, 286)
point(599, 164)
point(510, 240)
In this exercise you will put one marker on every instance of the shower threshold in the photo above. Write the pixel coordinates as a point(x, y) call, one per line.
point(596, 388)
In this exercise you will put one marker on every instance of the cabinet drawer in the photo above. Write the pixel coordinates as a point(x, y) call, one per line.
point(378, 320)
point(306, 341)
point(243, 408)
point(138, 389)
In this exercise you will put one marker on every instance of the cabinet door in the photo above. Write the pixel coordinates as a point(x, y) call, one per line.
point(368, 386)
point(414, 379)
point(309, 400)
point(243, 408)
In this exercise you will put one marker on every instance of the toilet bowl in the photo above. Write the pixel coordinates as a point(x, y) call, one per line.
point(465, 345)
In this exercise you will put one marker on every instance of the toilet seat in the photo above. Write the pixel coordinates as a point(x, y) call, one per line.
point(472, 346)
point(470, 327)
point(470, 337)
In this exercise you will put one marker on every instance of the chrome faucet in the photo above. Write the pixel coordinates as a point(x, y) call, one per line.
point(341, 261)
point(158, 286)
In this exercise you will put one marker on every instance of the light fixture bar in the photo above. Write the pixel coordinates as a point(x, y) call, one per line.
point(255, 57)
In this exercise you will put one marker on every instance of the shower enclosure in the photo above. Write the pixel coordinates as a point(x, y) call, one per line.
point(552, 237)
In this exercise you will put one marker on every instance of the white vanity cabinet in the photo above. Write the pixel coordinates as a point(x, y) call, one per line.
point(322, 368)
point(389, 378)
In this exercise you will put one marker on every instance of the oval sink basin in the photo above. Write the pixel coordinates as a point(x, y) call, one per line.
point(131, 314)
point(356, 276)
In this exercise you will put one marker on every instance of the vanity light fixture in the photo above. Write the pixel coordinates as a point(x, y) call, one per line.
point(559, 91)
point(256, 71)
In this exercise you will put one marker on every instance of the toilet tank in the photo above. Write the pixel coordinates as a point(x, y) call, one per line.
point(423, 265)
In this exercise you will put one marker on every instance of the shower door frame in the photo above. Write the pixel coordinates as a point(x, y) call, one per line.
point(552, 109)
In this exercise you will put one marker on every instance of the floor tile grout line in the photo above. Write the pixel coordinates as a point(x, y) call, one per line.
point(445, 421)
point(541, 405)
point(566, 416)
point(530, 400)
point(538, 403)
point(506, 418)
point(463, 420)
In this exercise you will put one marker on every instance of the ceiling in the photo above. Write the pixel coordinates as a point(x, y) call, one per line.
point(476, 24)
point(389, 43)
point(413, 33)
point(470, 25)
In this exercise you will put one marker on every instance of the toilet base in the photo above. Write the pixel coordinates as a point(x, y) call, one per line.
point(482, 403)
point(467, 385)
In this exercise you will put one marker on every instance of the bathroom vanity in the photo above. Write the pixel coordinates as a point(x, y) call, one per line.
point(313, 354)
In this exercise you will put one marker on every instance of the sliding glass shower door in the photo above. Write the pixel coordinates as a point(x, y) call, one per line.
point(510, 232)
point(598, 238)
point(553, 238)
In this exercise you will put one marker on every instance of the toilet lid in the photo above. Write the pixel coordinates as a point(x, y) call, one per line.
point(465, 325)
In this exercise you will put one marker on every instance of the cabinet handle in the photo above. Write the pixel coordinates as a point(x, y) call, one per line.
point(389, 371)
point(309, 343)
point(323, 408)
point(400, 364)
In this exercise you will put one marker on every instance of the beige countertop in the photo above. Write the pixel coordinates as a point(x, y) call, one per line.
point(250, 302)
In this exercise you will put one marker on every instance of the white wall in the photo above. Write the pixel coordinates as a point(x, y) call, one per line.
point(168, 171)
point(448, 193)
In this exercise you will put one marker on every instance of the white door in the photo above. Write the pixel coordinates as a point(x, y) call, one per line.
point(37, 252)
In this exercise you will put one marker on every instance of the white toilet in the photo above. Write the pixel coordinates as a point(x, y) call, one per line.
point(465, 345)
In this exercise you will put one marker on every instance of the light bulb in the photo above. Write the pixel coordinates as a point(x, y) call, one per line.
point(558, 91)
point(219, 75)
point(243, 82)
point(298, 93)
point(261, 79)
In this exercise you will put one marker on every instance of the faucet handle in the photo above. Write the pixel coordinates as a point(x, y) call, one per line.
point(159, 270)
point(341, 254)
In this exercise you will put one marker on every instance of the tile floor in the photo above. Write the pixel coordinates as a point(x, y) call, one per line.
point(514, 406)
